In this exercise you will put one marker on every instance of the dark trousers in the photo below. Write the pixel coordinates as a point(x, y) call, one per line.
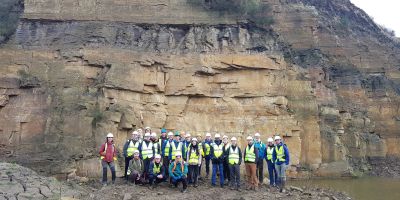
point(208, 166)
point(227, 173)
point(127, 159)
point(235, 175)
point(134, 178)
point(111, 165)
point(166, 166)
point(273, 176)
point(177, 181)
point(260, 170)
point(153, 179)
point(193, 174)
point(146, 165)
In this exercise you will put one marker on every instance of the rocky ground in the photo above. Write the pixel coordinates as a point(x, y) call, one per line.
point(22, 183)
point(385, 167)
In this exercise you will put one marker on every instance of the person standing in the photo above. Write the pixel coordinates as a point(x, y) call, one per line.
point(175, 147)
point(270, 162)
point(156, 172)
point(217, 158)
point(147, 153)
point(135, 169)
point(194, 160)
point(178, 172)
point(234, 155)
point(250, 161)
point(186, 144)
point(200, 144)
point(261, 156)
point(130, 146)
point(108, 154)
point(227, 176)
point(165, 151)
point(156, 144)
point(207, 154)
point(281, 159)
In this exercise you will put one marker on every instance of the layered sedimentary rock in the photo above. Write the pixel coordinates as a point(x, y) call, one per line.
point(77, 70)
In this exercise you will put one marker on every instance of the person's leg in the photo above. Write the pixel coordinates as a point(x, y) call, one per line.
point(221, 174)
point(134, 176)
point(127, 159)
point(278, 180)
point(237, 172)
point(232, 179)
point(113, 174)
point(146, 163)
point(253, 167)
point(151, 179)
point(271, 173)
point(214, 174)
point(184, 182)
point(195, 174)
point(283, 176)
point(104, 166)
point(207, 167)
point(165, 164)
point(248, 175)
point(200, 170)
point(260, 171)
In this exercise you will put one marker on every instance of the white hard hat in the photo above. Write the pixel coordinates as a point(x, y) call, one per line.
point(225, 136)
point(110, 135)
point(194, 139)
point(153, 134)
point(188, 135)
point(136, 152)
point(170, 133)
point(270, 140)
point(147, 128)
point(249, 138)
point(147, 135)
point(233, 139)
point(217, 135)
point(208, 134)
point(178, 154)
point(157, 156)
point(135, 133)
point(257, 135)
point(139, 130)
point(277, 137)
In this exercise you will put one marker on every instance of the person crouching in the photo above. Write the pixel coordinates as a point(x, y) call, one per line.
point(135, 169)
point(156, 172)
point(178, 172)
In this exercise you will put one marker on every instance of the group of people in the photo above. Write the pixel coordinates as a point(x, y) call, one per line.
point(178, 158)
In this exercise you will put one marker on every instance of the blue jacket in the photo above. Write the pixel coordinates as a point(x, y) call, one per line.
point(261, 149)
point(178, 173)
point(213, 158)
point(286, 151)
point(140, 149)
point(162, 169)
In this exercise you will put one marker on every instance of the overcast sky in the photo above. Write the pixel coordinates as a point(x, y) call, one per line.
point(384, 12)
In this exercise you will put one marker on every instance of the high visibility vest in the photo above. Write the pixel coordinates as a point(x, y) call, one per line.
point(250, 155)
point(193, 157)
point(105, 151)
point(200, 148)
point(218, 150)
point(156, 169)
point(270, 151)
point(208, 149)
point(166, 148)
point(157, 147)
point(280, 154)
point(147, 151)
point(176, 149)
point(132, 148)
point(233, 156)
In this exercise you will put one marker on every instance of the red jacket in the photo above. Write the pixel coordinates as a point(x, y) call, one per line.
point(108, 154)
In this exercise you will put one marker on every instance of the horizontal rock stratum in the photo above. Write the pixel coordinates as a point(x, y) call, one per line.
point(323, 76)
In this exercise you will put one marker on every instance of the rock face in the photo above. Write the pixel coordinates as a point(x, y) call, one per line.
point(324, 77)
